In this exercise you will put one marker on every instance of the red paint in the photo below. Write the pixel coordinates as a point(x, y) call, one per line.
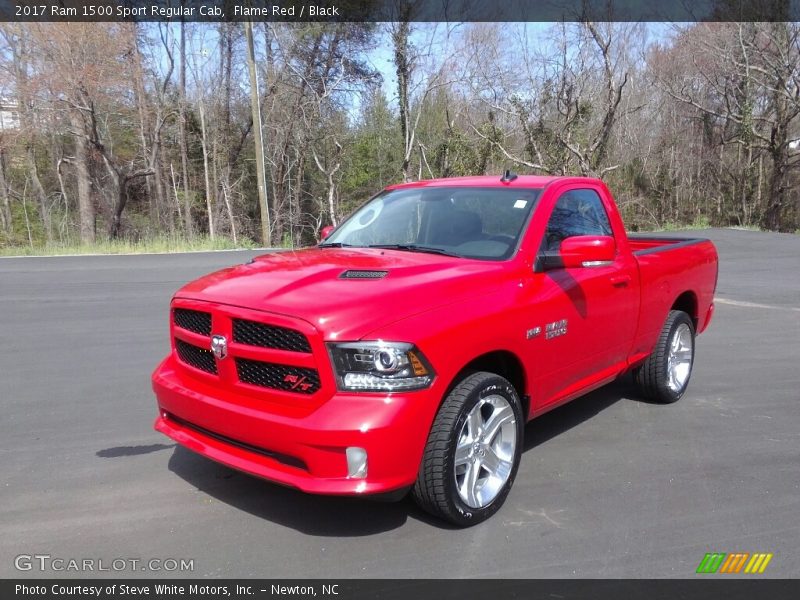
point(587, 248)
point(453, 309)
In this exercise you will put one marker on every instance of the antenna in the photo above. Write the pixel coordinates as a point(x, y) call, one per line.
point(508, 176)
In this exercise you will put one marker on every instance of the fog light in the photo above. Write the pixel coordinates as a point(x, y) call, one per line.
point(356, 462)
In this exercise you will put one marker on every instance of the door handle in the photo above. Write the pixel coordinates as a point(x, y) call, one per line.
point(620, 281)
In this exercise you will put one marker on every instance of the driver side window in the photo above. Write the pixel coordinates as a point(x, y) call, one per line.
point(577, 212)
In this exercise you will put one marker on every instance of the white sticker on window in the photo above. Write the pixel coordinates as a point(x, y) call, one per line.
point(520, 204)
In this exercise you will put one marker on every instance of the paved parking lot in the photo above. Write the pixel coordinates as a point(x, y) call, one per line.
point(610, 486)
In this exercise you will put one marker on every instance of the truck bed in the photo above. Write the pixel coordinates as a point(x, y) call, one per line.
point(645, 244)
point(670, 268)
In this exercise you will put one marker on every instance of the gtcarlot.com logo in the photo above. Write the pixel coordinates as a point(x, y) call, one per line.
point(734, 562)
point(46, 562)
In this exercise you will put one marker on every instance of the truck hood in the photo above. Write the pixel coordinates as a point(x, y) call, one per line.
point(343, 292)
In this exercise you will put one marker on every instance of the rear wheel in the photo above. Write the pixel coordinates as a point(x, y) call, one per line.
point(473, 451)
point(665, 375)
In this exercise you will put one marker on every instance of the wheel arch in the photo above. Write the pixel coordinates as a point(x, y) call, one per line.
point(501, 362)
point(687, 302)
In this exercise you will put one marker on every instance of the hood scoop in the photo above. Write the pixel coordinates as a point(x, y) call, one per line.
point(363, 274)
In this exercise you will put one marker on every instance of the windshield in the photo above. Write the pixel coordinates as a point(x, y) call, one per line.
point(471, 222)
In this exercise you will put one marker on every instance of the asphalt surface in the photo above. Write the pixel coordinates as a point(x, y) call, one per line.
point(610, 486)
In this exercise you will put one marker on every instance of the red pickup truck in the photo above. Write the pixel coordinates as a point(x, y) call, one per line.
point(410, 347)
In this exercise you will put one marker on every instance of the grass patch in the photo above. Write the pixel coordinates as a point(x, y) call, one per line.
point(698, 223)
point(153, 245)
point(747, 228)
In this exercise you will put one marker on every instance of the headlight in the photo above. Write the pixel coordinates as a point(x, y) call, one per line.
point(379, 366)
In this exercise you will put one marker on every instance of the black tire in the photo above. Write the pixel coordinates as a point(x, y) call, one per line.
point(652, 377)
point(436, 490)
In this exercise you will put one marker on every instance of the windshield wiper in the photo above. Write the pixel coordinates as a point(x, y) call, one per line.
point(416, 248)
point(335, 245)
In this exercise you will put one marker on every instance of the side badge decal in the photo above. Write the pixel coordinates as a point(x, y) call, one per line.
point(555, 329)
point(532, 333)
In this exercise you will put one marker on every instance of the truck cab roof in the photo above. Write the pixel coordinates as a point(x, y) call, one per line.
point(521, 181)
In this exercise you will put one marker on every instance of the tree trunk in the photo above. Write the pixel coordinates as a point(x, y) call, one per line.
point(332, 198)
point(65, 220)
point(158, 184)
point(280, 177)
point(228, 208)
point(86, 210)
point(255, 108)
point(115, 223)
point(402, 64)
point(204, 141)
point(39, 193)
point(227, 58)
point(5, 205)
point(20, 55)
point(159, 170)
point(785, 110)
point(155, 200)
point(187, 211)
point(297, 199)
point(772, 217)
point(175, 191)
point(121, 180)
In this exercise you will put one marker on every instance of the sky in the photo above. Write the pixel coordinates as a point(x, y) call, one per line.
point(202, 47)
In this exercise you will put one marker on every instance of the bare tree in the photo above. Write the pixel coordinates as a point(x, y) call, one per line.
point(21, 56)
point(187, 199)
point(114, 129)
point(255, 106)
point(414, 83)
point(743, 77)
point(566, 105)
point(6, 220)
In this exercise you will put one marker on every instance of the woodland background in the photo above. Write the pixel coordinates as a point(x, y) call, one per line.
point(121, 131)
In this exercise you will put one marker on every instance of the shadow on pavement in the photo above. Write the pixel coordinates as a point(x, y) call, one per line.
point(575, 412)
point(118, 451)
point(353, 517)
point(314, 515)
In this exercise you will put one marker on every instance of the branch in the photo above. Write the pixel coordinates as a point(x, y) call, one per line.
point(608, 170)
point(510, 156)
point(137, 174)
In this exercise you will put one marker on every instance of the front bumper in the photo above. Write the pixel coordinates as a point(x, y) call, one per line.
point(300, 448)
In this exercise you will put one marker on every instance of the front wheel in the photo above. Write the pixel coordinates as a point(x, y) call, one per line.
point(665, 375)
point(473, 451)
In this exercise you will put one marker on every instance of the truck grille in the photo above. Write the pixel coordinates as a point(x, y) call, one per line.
point(199, 358)
point(192, 320)
point(253, 333)
point(279, 377)
point(271, 355)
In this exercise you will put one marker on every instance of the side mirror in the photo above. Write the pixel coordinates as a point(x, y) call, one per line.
point(325, 232)
point(588, 251)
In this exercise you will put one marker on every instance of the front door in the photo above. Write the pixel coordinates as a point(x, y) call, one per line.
point(588, 314)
